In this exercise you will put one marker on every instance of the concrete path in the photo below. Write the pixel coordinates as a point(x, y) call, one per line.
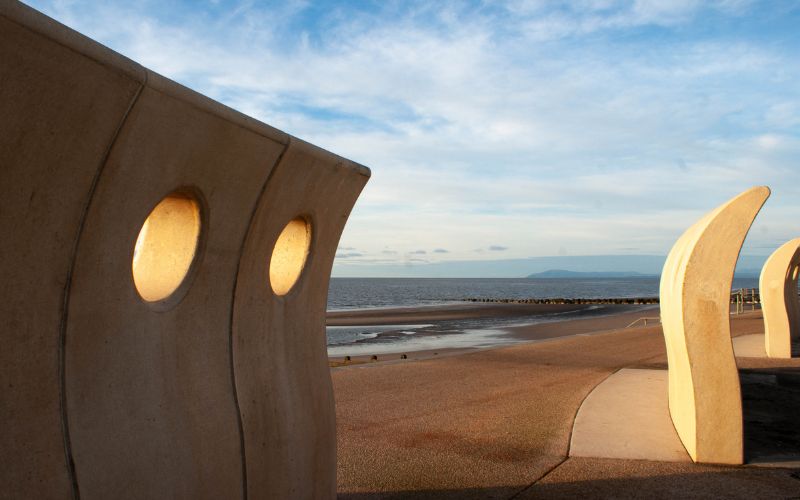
point(497, 424)
point(627, 416)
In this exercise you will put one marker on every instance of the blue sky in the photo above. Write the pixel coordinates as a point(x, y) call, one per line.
point(502, 130)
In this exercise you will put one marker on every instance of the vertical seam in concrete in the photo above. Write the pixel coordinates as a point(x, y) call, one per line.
point(231, 361)
point(62, 336)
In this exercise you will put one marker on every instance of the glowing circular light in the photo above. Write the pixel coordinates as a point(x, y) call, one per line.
point(289, 255)
point(166, 247)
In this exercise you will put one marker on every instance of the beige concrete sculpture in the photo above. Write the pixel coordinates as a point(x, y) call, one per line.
point(779, 301)
point(165, 271)
point(704, 394)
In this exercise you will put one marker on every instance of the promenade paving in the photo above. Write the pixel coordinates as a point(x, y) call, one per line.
point(497, 424)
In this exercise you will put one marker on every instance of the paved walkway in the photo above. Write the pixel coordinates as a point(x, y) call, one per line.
point(497, 424)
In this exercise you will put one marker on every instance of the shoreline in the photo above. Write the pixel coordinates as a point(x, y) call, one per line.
point(421, 314)
point(503, 325)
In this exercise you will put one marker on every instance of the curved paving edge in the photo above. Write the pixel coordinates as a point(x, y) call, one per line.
point(627, 416)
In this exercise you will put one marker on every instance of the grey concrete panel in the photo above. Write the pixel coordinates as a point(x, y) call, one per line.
point(204, 104)
point(106, 394)
point(59, 112)
point(149, 390)
point(749, 346)
point(279, 344)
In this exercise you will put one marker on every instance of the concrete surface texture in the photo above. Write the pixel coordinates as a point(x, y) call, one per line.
point(778, 290)
point(280, 359)
point(704, 394)
point(749, 346)
point(627, 416)
point(121, 379)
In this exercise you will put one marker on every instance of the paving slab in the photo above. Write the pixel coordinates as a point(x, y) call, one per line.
point(749, 346)
point(627, 416)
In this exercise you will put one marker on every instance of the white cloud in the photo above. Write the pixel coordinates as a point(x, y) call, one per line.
point(598, 125)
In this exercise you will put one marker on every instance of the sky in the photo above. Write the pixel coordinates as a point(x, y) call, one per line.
point(502, 131)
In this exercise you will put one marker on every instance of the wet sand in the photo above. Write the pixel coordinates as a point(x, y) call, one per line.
point(407, 315)
point(579, 319)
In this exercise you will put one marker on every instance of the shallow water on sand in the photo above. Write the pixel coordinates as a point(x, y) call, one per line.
point(466, 338)
point(452, 333)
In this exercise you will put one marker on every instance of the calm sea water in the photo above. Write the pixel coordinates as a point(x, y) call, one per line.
point(360, 293)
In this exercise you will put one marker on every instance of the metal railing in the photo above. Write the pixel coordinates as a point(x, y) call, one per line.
point(739, 298)
point(645, 320)
point(744, 296)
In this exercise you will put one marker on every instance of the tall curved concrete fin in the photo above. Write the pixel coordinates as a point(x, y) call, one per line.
point(704, 394)
point(279, 344)
point(779, 300)
point(131, 211)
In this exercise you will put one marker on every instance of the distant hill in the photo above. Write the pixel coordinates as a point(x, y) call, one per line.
point(648, 265)
point(561, 273)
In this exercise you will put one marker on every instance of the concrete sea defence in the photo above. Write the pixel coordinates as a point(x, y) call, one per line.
point(165, 270)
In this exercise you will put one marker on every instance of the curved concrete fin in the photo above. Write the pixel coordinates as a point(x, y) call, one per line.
point(148, 383)
point(127, 201)
point(279, 346)
point(60, 109)
point(704, 394)
point(779, 301)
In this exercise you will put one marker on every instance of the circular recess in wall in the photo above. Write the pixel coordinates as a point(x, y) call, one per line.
point(166, 246)
point(289, 255)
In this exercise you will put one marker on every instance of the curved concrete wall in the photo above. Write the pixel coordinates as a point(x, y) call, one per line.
point(704, 395)
point(105, 394)
point(779, 301)
point(280, 359)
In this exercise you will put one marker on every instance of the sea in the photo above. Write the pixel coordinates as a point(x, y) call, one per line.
point(370, 293)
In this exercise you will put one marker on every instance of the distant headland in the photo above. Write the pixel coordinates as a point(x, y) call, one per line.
point(562, 273)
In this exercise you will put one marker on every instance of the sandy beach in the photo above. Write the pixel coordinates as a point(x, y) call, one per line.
point(496, 423)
